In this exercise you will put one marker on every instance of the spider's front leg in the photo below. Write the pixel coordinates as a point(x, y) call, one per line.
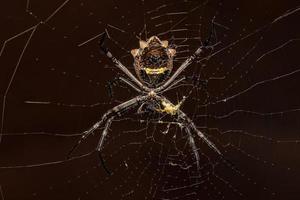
point(116, 81)
point(200, 52)
point(118, 63)
point(203, 51)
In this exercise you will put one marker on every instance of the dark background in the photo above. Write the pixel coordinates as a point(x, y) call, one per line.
point(48, 57)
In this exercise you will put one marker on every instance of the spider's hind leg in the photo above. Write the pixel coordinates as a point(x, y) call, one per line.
point(207, 141)
point(107, 117)
point(84, 136)
point(192, 127)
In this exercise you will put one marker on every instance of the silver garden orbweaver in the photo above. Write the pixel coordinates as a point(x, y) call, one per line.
point(153, 62)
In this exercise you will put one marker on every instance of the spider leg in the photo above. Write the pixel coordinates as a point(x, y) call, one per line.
point(193, 145)
point(201, 51)
point(104, 133)
point(172, 85)
point(110, 85)
point(139, 110)
point(110, 113)
point(195, 81)
point(212, 36)
point(100, 144)
point(118, 63)
point(131, 85)
point(184, 65)
point(188, 123)
point(116, 80)
point(205, 139)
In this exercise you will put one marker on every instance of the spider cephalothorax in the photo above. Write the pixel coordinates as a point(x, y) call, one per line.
point(153, 61)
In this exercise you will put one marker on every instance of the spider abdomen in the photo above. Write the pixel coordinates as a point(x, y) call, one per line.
point(153, 61)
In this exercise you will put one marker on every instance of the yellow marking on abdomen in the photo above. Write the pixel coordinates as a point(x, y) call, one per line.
point(153, 71)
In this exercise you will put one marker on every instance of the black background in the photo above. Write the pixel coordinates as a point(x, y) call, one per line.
point(60, 67)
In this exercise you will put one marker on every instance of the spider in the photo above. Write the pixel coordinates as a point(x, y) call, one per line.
point(153, 63)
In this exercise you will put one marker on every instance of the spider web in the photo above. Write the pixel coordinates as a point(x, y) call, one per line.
point(243, 97)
